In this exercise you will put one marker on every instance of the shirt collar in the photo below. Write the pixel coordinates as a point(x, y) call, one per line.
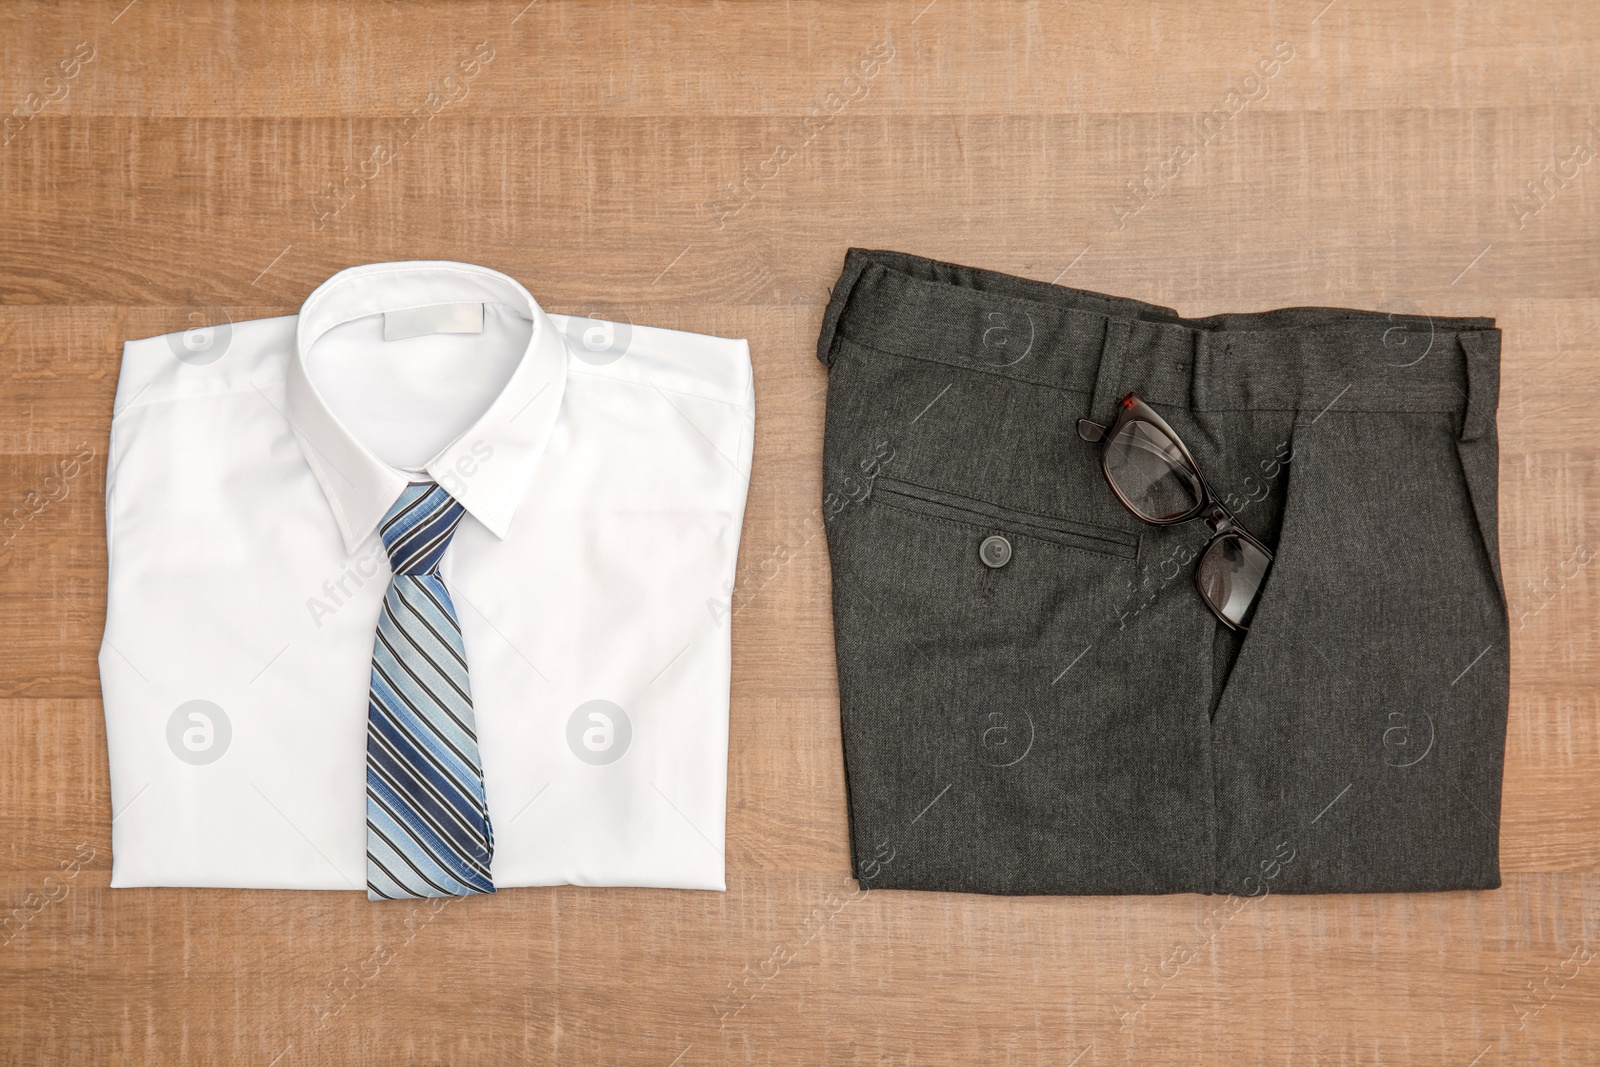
point(488, 468)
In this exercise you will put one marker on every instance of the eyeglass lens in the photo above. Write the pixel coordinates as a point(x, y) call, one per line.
point(1149, 469)
point(1230, 574)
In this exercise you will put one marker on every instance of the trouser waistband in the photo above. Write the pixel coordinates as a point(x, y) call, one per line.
point(1070, 339)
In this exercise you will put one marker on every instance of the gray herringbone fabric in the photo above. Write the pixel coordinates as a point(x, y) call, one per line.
point(1075, 720)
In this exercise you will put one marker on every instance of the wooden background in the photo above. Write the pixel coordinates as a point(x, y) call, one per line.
point(166, 163)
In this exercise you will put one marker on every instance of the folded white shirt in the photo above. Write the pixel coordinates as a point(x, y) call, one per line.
point(603, 468)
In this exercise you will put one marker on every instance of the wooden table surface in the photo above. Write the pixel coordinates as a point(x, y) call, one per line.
point(705, 166)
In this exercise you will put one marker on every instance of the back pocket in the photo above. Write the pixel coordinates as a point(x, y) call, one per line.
point(980, 514)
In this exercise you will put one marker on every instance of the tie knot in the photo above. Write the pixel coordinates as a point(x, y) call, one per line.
point(418, 528)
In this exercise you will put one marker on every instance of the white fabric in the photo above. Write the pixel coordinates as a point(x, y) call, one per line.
point(604, 493)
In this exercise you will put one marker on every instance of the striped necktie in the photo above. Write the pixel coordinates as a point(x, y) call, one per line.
point(428, 832)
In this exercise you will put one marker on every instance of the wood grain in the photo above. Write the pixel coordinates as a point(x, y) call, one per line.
point(620, 156)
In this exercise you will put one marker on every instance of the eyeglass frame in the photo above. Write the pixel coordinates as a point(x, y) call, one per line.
point(1222, 522)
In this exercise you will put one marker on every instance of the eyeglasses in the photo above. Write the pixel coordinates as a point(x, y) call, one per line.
point(1156, 478)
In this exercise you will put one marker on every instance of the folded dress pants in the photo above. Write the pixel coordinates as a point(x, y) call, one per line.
point(1034, 697)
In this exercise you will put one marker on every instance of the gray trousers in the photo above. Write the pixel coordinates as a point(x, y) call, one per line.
point(1075, 720)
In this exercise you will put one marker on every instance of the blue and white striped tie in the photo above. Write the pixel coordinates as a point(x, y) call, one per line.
point(428, 832)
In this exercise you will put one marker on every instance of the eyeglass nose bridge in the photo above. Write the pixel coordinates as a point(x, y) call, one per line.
point(1219, 518)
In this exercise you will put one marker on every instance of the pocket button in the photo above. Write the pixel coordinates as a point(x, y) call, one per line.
point(995, 551)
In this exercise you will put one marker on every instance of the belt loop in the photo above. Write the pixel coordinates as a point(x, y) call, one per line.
point(855, 261)
point(1102, 405)
point(1199, 370)
point(1482, 351)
